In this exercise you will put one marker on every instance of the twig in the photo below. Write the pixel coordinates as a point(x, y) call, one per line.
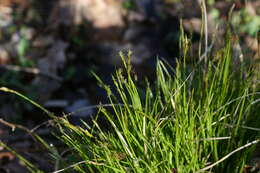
point(95, 107)
point(34, 71)
point(76, 164)
point(215, 138)
point(14, 126)
point(243, 127)
point(228, 155)
point(40, 125)
point(205, 27)
point(79, 110)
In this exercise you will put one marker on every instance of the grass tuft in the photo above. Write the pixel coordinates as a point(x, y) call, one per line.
point(193, 118)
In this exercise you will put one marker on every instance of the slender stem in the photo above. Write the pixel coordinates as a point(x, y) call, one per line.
point(228, 155)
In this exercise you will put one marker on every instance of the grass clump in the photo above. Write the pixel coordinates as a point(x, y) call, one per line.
point(193, 118)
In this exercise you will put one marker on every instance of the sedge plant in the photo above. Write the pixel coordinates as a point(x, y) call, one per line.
point(200, 117)
point(191, 119)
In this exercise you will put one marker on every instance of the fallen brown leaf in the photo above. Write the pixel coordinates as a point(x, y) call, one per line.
point(101, 13)
point(6, 156)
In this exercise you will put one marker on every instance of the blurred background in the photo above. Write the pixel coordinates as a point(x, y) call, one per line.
point(49, 51)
